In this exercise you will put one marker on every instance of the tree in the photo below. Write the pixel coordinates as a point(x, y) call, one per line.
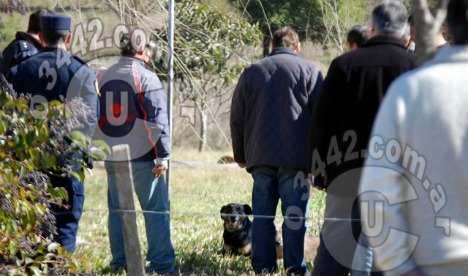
point(427, 27)
point(338, 16)
point(208, 54)
point(269, 15)
point(321, 20)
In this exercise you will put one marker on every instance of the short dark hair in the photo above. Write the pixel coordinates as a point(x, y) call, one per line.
point(359, 34)
point(53, 37)
point(34, 25)
point(390, 17)
point(285, 37)
point(457, 21)
point(126, 47)
point(132, 41)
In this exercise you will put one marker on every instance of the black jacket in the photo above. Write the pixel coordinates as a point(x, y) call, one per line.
point(23, 46)
point(54, 74)
point(271, 110)
point(351, 94)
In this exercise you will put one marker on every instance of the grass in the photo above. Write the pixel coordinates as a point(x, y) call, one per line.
point(192, 154)
point(197, 195)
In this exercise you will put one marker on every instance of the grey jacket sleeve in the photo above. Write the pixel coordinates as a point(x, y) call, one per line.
point(153, 104)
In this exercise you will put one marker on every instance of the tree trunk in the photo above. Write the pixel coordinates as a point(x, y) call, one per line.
point(427, 27)
point(203, 127)
point(266, 45)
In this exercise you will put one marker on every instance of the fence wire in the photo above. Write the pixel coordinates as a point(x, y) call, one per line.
point(212, 214)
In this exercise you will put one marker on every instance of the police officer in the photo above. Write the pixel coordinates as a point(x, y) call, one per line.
point(54, 74)
point(25, 44)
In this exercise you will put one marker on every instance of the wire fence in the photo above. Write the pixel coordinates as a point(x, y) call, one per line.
point(212, 214)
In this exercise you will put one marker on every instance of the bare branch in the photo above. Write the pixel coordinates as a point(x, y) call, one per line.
point(427, 27)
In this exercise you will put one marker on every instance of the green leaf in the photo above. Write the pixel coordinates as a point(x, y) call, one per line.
point(58, 193)
point(35, 270)
point(13, 246)
point(79, 138)
point(35, 154)
point(43, 133)
point(102, 145)
point(40, 258)
point(78, 175)
point(30, 138)
point(4, 122)
point(28, 260)
point(97, 154)
point(48, 160)
point(3, 98)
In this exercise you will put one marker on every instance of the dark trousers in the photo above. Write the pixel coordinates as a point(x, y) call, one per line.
point(338, 238)
point(68, 217)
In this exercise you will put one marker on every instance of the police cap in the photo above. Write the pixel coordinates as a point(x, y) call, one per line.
point(55, 22)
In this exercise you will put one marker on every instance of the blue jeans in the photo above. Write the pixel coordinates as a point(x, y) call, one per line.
point(271, 185)
point(152, 195)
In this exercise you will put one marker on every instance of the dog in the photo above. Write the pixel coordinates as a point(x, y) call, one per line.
point(237, 235)
point(310, 246)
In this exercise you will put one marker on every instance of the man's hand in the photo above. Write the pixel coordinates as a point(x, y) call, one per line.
point(159, 170)
point(242, 165)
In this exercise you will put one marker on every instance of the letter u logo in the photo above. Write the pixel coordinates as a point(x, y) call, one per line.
point(117, 110)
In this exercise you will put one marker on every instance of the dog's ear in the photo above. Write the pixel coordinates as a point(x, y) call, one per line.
point(223, 210)
point(247, 209)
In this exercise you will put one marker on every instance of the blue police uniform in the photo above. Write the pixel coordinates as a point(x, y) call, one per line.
point(22, 47)
point(54, 74)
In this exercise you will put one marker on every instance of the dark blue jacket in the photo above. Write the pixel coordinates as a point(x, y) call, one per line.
point(52, 74)
point(134, 110)
point(271, 110)
point(22, 47)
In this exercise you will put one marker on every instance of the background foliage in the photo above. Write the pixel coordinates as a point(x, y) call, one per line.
point(325, 21)
point(210, 54)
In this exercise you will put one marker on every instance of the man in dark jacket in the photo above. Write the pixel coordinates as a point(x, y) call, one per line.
point(25, 44)
point(352, 91)
point(270, 119)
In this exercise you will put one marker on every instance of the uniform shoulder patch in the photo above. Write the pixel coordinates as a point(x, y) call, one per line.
point(22, 45)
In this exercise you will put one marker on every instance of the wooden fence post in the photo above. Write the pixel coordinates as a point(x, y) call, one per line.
point(124, 181)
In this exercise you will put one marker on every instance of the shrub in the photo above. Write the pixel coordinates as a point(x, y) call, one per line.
point(34, 144)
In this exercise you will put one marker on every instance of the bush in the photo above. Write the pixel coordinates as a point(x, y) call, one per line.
point(35, 144)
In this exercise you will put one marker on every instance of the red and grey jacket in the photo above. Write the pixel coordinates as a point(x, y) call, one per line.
point(134, 110)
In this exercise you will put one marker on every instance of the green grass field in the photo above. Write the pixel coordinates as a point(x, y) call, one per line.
point(197, 195)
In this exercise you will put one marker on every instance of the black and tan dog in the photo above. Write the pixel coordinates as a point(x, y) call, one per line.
point(237, 233)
